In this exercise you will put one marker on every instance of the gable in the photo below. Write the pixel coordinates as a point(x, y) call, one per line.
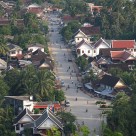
point(25, 118)
point(47, 124)
point(102, 45)
point(131, 58)
point(119, 84)
point(80, 34)
point(44, 65)
point(84, 46)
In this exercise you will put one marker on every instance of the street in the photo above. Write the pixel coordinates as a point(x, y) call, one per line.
point(66, 71)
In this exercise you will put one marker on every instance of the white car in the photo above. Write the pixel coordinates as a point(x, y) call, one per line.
point(67, 103)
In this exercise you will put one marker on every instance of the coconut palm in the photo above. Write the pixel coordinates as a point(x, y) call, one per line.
point(3, 47)
point(44, 83)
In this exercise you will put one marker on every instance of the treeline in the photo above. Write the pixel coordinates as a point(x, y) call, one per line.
point(117, 19)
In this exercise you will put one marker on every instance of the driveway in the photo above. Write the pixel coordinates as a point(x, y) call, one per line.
point(66, 71)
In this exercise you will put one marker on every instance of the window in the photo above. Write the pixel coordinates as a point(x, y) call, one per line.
point(82, 51)
point(88, 51)
point(13, 52)
point(21, 125)
point(78, 51)
point(17, 127)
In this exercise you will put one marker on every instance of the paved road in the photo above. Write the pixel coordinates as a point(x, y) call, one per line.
point(78, 108)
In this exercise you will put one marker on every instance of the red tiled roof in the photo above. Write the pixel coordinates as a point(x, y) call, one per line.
point(20, 22)
point(19, 56)
point(69, 18)
point(35, 10)
point(123, 43)
point(121, 55)
point(90, 30)
point(4, 21)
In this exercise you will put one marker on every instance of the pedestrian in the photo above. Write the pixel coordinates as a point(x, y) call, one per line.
point(69, 67)
point(72, 82)
point(86, 110)
point(75, 84)
point(64, 54)
point(67, 70)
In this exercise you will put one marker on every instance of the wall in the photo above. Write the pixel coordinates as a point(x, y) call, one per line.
point(85, 48)
point(101, 46)
point(81, 37)
point(28, 104)
point(47, 124)
point(11, 54)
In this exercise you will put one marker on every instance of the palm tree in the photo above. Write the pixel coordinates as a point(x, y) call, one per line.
point(3, 47)
point(44, 83)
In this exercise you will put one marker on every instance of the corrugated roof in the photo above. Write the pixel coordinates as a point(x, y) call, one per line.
point(109, 80)
point(23, 113)
point(91, 30)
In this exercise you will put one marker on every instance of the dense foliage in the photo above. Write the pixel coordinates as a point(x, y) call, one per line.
point(70, 29)
point(117, 19)
point(75, 7)
point(82, 62)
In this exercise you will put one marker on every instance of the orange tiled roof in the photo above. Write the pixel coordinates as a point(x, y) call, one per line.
point(121, 55)
point(123, 44)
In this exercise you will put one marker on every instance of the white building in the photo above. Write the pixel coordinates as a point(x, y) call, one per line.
point(34, 47)
point(14, 50)
point(91, 50)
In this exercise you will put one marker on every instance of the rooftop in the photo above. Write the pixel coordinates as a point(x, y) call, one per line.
point(18, 97)
point(91, 30)
point(123, 44)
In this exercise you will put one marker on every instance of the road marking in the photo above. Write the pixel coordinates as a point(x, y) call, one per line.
point(84, 118)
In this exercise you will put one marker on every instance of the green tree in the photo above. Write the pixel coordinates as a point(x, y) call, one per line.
point(59, 95)
point(45, 84)
point(85, 130)
point(82, 62)
point(3, 46)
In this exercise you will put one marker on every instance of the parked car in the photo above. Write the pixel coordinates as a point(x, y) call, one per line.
point(69, 60)
point(79, 86)
point(62, 83)
point(67, 103)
